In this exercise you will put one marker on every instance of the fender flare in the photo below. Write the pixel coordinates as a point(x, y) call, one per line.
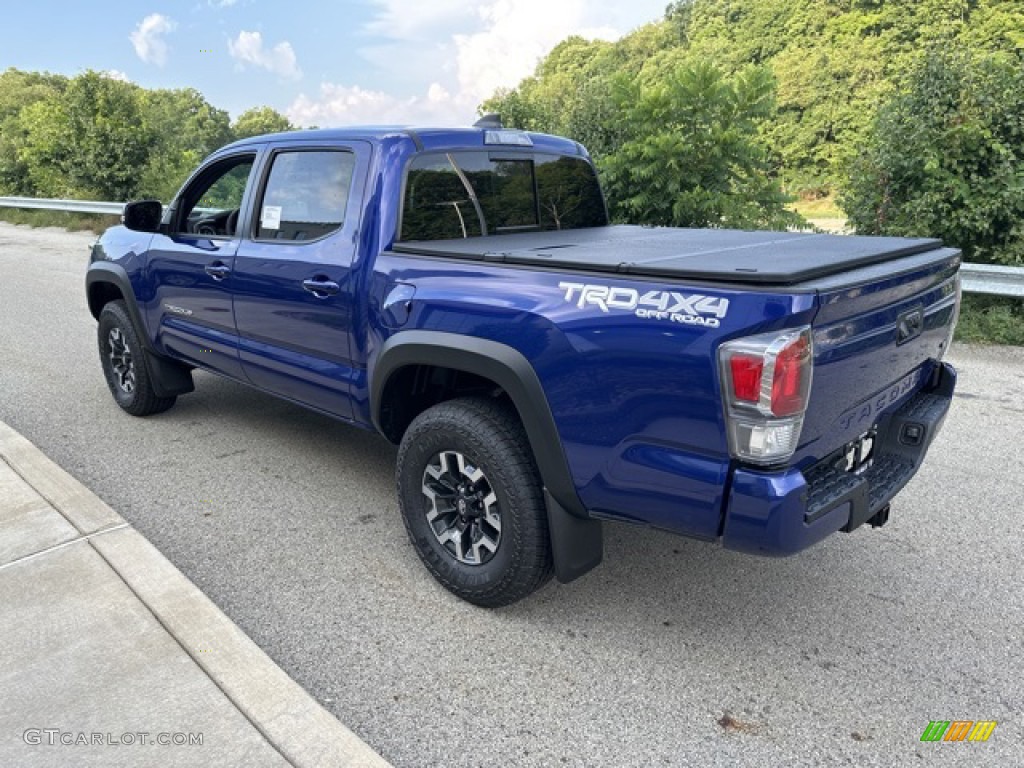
point(114, 274)
point(576, 538)
point(169, 377)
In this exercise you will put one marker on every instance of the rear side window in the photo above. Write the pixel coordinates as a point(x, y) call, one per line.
point(305, 195)
point(465, 194)
point(438, 205)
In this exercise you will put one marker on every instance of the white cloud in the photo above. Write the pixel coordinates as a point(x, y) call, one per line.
point(466, 49)
point(511, 43)
point(352, 105)
point(148, 38)
point(116, 74)
point(248, 48)
point(409, 19)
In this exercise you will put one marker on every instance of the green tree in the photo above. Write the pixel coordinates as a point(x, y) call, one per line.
point(19, 90)
point(946, 158)
point(834, 61)
point(691, 155)
point(186, 128)
point(88, 142)
point(571, 92)
point(565, 96)
point(260, 120)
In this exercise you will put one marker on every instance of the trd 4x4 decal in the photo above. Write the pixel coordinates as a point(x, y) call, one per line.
point(688, 308)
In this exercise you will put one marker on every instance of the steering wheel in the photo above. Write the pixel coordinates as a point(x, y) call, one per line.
point(206, 226)
point(222, 224)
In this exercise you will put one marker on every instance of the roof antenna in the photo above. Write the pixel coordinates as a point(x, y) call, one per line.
point(490, 120)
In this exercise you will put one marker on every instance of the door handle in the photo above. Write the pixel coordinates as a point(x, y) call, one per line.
point(321, 288)
point(218, 270)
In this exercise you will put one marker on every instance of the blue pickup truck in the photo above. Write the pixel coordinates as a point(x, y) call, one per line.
point(461, 292)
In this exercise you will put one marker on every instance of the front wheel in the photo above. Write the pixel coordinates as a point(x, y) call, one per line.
point(123, 365)
point(472, 502)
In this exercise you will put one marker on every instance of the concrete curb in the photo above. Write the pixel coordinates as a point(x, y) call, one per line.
point(304, 732)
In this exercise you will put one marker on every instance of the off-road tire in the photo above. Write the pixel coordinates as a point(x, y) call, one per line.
point(489, 437)
point(128, 377)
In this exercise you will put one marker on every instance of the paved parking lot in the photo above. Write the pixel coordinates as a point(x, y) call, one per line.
point(673, 652)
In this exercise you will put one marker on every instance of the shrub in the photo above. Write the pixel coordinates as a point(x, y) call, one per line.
point(946, 158)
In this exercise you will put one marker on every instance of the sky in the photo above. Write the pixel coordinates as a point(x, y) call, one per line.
point(319, 63)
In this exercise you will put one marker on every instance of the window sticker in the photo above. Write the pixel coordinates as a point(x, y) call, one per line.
point(271, 218)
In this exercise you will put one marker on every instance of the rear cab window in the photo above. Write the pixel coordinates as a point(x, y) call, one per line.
point(471, 193)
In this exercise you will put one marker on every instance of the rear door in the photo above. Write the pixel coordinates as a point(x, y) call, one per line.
point(190, 263)
point(293, 281)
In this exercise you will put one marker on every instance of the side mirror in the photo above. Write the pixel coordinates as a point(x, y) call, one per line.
point(143, 216)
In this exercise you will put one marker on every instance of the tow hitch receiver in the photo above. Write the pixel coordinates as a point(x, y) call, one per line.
point(880, 518)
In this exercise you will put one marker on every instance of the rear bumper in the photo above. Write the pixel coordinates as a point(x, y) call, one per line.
point(780, 513)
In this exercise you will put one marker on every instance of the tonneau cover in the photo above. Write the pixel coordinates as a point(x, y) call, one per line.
point(763, 258)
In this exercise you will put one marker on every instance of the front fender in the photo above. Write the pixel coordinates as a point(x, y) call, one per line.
point(103, 281)
point(106, 273)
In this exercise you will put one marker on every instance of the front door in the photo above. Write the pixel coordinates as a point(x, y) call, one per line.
point(190, 265)
point(292, 281)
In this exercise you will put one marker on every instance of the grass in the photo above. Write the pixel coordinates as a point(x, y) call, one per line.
point(822, 213)
point(74, 222)
point(818, 208)
point(991, 320)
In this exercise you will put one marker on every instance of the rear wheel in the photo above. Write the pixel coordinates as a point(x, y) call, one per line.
point(124, 368)
point(472, 502)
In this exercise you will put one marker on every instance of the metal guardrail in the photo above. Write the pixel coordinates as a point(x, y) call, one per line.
point(975, 278)
point(992, 280)
point(74, 206)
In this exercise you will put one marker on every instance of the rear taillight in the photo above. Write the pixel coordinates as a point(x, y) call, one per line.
point(792, 378)
point(746, 377)
point(956, 289)
point(766, 381)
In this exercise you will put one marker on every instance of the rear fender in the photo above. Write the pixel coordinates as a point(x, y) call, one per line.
point(576, 539)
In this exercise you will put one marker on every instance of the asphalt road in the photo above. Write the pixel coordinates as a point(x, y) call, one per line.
point(673, 652)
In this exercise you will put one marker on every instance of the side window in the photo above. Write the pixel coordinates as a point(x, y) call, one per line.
point(437, 204)
point(210, 206)
point(305, 195)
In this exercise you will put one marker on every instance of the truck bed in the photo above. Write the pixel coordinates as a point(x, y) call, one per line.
point(734, 256)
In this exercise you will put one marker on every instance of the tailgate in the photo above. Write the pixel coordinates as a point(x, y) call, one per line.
point(878, 337)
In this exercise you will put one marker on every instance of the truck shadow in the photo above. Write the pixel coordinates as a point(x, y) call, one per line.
point(839, 592)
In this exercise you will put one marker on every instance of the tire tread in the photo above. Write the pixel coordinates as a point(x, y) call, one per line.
point(498, 426)
point(143, 401)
